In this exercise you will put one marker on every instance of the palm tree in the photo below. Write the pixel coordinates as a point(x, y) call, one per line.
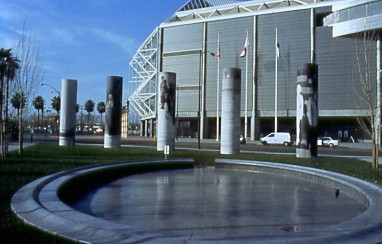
point(5, 54)
point(38, 103)
point(18, 102)
point(101, 109)
point(89, 107)
point(13, 66)
point(8, 67)
point(56, 104)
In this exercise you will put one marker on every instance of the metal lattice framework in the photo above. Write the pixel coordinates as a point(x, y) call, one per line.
point(209, 8)
point(143, 72)
point(196, 4)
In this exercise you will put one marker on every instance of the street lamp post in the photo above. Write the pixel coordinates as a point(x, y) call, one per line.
point(54, 89)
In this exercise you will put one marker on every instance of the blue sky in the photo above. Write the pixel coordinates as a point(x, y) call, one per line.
point(86, 40)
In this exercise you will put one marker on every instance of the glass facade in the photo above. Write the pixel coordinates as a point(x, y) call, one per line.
point(189, 48)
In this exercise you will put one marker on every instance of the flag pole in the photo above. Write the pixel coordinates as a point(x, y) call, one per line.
point(276, 56)
point(246, 92)
point(218, 89)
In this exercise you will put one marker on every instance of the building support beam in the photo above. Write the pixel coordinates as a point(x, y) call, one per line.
point(255, 119)
point(203, 113)
point(312, 36)
point(378, 113)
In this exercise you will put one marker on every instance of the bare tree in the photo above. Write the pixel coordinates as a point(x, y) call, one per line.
point(30, 73)
point(368, 87)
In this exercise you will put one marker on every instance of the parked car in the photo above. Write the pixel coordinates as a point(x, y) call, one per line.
point(327, 141)
point(282, 138)
point(98, 131)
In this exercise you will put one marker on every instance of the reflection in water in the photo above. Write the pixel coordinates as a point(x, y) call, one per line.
point(218, 203)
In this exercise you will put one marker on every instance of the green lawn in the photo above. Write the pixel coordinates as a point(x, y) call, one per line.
point(40, 160)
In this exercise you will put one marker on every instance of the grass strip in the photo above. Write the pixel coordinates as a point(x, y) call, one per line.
point(44, 159)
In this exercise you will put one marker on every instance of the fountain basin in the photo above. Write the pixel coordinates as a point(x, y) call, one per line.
point(229, 202)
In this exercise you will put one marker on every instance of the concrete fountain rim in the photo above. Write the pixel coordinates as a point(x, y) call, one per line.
point(39, 205)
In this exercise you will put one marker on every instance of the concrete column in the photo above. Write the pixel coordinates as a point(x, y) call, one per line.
point(68, 112)
point(166, 130)
point(204, 125)
point(230, 133)
point(146, 128)
point(307, 111)
point(152, 128)
point(141, 133)
point(113, 118)
point(253, 124)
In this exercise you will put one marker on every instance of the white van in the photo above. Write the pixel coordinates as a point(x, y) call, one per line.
point(282, 138)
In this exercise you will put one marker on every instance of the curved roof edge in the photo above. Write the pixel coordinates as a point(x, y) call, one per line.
point(196, 4)
point(355, 16)
point(205, 9)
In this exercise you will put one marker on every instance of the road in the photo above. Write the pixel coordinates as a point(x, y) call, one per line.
point(360, 150)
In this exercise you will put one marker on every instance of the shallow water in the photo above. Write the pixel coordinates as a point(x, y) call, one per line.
point(220, 203)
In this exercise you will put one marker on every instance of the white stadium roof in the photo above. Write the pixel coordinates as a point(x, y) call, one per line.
point(203, 9)
point(195, 4)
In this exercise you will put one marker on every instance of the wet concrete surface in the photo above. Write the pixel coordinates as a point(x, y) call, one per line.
point(221, 204)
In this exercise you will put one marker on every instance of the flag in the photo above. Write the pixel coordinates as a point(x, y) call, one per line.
point(278, 50)
point(218, 52)
point(244, 52)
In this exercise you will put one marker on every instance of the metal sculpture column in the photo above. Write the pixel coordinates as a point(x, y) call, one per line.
point(166, 111)
point(307, 111)
point(68, 112)
point(112, 137)
point(230, 124)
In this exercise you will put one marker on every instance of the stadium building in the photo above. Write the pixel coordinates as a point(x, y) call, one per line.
point(205, 36)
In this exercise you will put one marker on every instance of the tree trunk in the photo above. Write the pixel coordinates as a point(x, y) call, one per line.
point(1, 118)
point(21, 134)
point(375, 154)
point(38, 119)
point(88, 122)
point(7, 129)
point(42, 118)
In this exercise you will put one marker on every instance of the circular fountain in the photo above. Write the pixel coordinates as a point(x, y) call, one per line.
point(171, 200)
